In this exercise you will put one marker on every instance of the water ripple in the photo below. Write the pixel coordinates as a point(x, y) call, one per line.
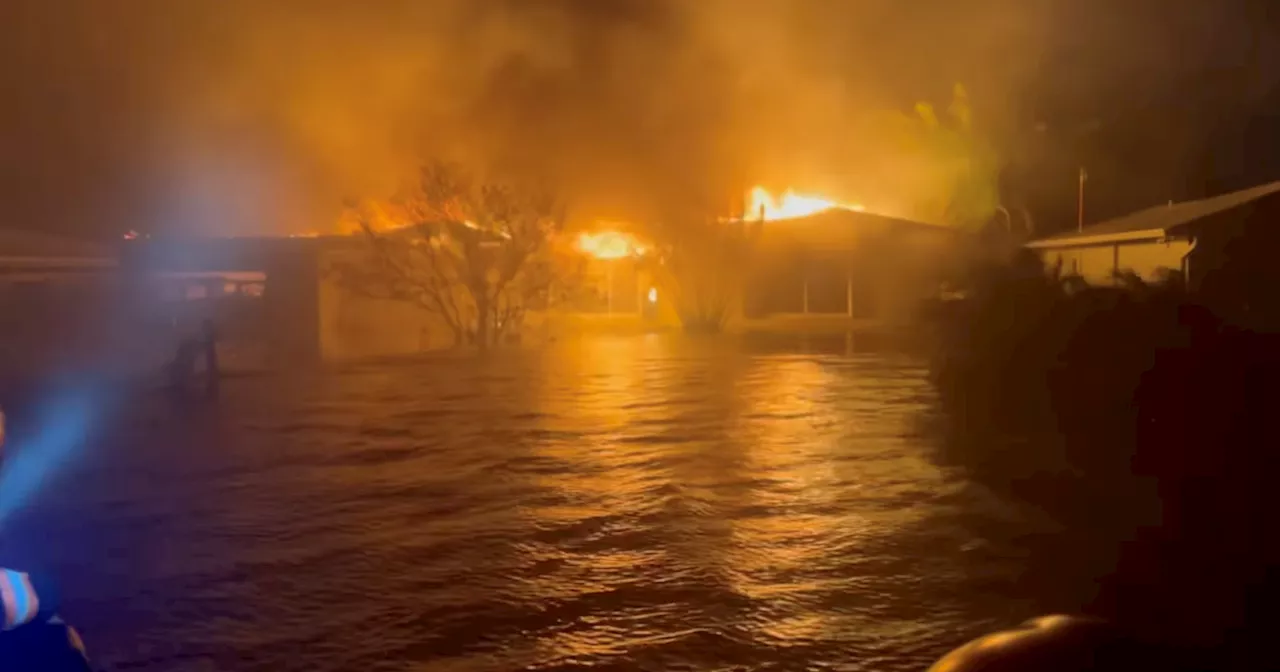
point(632, 503)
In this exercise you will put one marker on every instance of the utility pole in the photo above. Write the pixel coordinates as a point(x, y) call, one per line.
point(1080, 202)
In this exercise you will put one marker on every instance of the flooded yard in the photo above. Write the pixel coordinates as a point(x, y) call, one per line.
point(639, 503)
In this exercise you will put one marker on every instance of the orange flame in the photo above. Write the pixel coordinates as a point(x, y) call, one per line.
point(380, 217)
point(760, 203)
point(610, 245)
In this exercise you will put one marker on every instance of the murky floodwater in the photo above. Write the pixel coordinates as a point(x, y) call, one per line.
point(626, 503)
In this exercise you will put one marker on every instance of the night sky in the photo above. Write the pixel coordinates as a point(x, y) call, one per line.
point(236, 116)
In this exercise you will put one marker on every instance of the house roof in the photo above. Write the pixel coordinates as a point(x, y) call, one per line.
point(853, 218)
point(837, 230)
point(1158, 222)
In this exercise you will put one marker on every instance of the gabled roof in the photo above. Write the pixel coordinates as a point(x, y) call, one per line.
point(1158, 222)
point(838, 227)
point(856, 218)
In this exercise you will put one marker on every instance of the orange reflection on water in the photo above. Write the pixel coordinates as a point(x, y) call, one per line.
point(590, 482)
point(711, 487)
point(793, 437)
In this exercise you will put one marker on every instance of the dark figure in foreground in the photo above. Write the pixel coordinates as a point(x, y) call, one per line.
point(33, 638)
point(1058, 644)
point(1141, 418)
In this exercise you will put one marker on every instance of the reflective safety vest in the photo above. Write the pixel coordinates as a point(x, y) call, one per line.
point(21, 604)
point(32, 637)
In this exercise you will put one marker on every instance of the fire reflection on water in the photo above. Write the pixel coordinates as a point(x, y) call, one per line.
point(795, 439)
point(743, 467)
point(638, 503)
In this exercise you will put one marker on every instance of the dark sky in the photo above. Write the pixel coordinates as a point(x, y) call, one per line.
point(257, 115)
point(1166, 100)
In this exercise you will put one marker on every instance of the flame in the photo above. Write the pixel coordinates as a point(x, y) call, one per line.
point(380, 217)
point(610, 245)
point(789, 205)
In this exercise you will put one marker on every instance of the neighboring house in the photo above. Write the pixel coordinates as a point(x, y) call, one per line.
point(839, 265)
point(51, 289)
point(1226, 248)
point(1151, 242)
point(262, 293)
point(29, 249)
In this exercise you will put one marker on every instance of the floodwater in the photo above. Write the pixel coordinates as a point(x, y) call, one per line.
point(629, 503)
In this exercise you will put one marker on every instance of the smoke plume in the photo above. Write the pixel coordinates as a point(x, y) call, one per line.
point(242, 116)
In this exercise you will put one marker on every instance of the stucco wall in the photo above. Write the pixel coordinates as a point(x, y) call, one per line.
point(352, 325)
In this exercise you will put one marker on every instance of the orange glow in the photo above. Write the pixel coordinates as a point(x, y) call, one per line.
point(379, 217)
point(653, 295)
point(609, 245)
point(789, 205)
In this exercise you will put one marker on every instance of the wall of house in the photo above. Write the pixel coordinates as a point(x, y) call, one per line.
point(291, 309)
point(1098, 264)
point(1151, 260)
point(56, 322)
point(890, 269)
point(124, 325)
point(877, 276)
point(354, 325)
point(275, 325)
point(1234, 264)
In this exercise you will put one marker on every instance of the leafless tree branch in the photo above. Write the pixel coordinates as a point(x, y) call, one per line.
point(475, 252)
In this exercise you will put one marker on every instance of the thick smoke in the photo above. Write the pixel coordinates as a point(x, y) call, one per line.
point(242, 116)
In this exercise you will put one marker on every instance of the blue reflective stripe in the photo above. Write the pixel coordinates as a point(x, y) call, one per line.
point(22, 597)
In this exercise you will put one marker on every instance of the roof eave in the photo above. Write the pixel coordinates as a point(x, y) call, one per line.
point(1098, 239)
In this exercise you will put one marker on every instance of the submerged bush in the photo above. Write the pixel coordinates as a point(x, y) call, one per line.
point(1137, 418)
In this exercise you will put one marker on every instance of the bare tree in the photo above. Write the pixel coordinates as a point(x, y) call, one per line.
point(479, 254)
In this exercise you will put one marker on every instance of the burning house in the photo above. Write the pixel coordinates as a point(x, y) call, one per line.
point(814, 264)
point(844, 268)
point(1222, 248)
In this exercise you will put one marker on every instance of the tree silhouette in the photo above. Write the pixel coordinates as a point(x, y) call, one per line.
point(950, 160)
point(478, 254)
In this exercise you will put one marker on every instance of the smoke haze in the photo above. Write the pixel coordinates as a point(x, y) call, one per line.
point(243, 116)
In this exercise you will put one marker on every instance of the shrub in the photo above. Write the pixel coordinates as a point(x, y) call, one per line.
point(1139, 420)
